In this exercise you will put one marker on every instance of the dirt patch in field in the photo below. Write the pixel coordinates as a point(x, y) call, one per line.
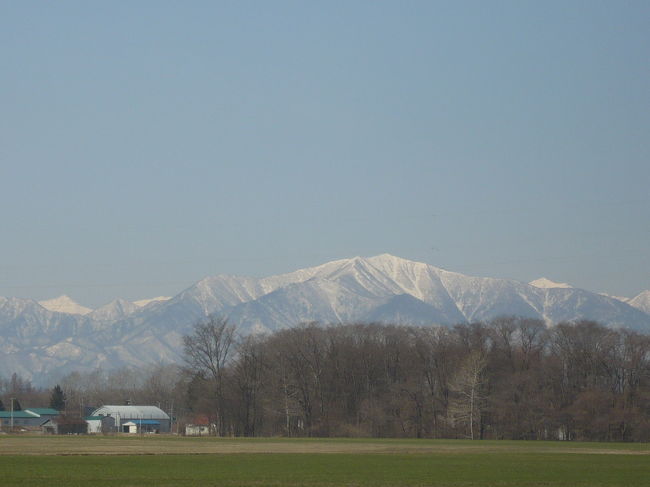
point(169, 445)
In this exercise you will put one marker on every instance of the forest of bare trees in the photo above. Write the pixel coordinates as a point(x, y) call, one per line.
point(510, 378)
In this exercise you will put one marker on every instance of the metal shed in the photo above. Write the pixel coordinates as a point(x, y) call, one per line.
point(144, 418)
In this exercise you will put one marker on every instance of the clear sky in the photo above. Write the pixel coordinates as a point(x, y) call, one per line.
point(147, 144)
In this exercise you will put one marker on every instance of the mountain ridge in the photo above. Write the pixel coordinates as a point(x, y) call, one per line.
point(41, 343)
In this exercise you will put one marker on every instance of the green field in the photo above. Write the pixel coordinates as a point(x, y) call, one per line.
point(40, 461)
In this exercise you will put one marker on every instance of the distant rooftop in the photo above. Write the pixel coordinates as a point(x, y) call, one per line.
point(18, 414)
point(131, 412)
point(43, 411)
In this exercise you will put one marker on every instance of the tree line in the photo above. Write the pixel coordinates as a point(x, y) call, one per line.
point(510, 378)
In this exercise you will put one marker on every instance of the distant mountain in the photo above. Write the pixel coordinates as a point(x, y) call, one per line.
point(65, 304)
point(41, 343)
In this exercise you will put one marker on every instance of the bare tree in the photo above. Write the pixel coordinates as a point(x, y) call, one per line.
point(207, 351)
point(467, 385)
point(246, 373)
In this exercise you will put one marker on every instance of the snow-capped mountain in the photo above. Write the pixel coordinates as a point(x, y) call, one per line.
point(65, 304)
point(39, 343)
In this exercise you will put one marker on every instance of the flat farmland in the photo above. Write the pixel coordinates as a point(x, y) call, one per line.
point(168, 460)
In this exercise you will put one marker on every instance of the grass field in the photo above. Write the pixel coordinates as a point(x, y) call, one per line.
point(167, 461)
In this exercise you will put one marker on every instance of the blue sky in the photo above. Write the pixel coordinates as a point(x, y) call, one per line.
point(147, 144)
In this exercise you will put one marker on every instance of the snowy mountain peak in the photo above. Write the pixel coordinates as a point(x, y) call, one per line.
point(65, 304)
point(544, 283)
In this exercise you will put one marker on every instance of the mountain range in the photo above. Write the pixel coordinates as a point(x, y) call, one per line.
point(44, 340)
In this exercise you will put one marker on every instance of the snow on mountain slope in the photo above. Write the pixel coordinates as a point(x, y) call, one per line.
point(327, 301)
point(575, 304)
point(544, 283)
point(65, 304)
point(213, 294)
point(641, 301)
point(620, 298)
point(115, 310)
point(144, 302)
point(482, 298)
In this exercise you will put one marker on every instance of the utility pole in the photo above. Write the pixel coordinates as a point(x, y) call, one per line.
point(12, 414)
point(171, 418)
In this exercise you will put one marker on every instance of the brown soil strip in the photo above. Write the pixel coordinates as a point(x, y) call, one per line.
point(78, 445)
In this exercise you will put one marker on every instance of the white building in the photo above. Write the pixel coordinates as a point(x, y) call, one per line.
point(94, 425)
point(129, 427)
point(100, 424)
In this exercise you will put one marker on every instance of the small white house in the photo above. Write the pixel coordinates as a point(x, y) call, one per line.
point(129, 427)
